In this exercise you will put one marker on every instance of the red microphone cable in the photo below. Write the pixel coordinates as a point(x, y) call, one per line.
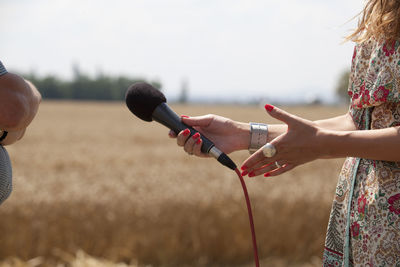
point(253, 232)
point(149, 104)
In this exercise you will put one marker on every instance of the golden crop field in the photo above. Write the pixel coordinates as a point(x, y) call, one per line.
point(95, 186)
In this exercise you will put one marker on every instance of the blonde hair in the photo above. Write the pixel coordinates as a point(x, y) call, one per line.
point(379, 19)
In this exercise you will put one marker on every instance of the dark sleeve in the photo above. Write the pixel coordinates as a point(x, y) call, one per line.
point(5, 175)
point(2, 69)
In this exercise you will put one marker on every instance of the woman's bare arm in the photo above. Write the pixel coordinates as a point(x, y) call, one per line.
point(305, 141)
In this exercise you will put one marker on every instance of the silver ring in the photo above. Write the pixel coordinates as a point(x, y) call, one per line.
point(277, 164)
point(268, 150)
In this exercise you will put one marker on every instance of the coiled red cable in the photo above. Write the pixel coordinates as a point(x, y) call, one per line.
point(253, 232)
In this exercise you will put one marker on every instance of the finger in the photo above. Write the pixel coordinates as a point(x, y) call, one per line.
point(197, 148)
point(172, 134)
point(265, 162)
point(261, 164)
point(253, 160)
point(188, 147)
point(182, 137)
point(282, 115)
point(263, 169)
point(202, 121)
point(283, 169)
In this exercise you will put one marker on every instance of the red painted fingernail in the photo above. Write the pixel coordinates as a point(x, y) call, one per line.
point(198, 141)
point(184, 116)
point(267, 174)
point(244, 167)
point(186, 132)
point(244, 173)
point(196, 135)
point(268, 107)
point(251, 174)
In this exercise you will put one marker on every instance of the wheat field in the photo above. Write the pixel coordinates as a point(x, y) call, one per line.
point(95, 186)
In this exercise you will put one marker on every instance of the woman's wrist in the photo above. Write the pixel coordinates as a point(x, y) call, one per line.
point(258, 136)
point(275, 130)
point(329, 144)
point(242, 136)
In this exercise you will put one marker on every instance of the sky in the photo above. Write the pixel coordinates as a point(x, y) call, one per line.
point(222, 49)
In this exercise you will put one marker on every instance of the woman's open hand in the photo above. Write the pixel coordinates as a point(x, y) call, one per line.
point(300, 144)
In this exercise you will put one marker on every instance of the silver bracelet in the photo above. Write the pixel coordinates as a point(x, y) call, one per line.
point(258, 136)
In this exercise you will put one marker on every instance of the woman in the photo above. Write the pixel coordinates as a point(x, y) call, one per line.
point(364, 226)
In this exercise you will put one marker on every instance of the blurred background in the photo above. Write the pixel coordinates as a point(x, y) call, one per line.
point(94, 186)
point(224, 50)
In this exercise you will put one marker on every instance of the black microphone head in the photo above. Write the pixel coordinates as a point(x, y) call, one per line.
point(142, 99)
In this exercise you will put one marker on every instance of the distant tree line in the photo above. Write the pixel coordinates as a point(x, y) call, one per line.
point(342, 85)
point(107, 87)
point(84, 87)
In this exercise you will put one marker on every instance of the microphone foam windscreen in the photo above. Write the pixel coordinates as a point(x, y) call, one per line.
point(142, 99)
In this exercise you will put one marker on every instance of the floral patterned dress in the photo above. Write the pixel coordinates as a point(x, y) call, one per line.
point(364, 225)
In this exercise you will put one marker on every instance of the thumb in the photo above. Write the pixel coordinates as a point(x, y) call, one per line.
point(281, 115)
point(202, 121)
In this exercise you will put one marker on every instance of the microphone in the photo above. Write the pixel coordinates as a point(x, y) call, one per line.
point(149, 104)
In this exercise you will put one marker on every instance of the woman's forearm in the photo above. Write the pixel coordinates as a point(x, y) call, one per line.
point(339, 123)
point(382, 144)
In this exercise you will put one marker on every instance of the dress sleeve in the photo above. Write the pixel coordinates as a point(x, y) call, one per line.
point(2, 69)
point(375, 75)
point(356, 114)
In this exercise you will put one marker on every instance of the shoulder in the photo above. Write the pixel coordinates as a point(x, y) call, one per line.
point(375, 73)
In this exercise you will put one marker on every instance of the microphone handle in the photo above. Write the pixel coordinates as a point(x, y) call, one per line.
point(167, 117)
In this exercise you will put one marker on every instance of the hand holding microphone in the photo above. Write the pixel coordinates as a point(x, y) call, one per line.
point(226, 134)
point(149, 104)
